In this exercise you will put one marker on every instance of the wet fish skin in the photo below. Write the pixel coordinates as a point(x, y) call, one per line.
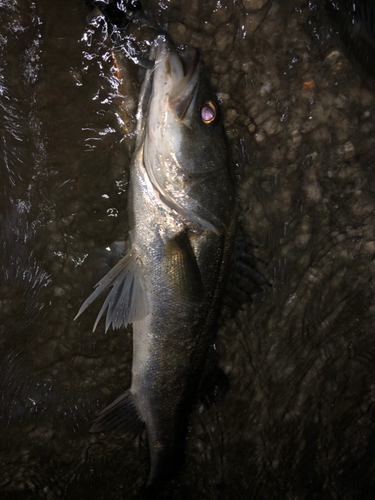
point(170, 284)
point(185, 274)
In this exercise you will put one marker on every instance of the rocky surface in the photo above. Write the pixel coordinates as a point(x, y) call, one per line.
point(297, 419)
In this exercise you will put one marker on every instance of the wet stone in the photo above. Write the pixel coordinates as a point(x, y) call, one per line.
point(347, 150)
point(224, 38)
point(312, 188)
point(260, 138)
point(253, 5)
point(298, 357)
point(179, 32)
point(231, 116)
point(222, 12)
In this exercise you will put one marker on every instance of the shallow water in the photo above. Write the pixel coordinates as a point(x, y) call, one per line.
point(297, 420)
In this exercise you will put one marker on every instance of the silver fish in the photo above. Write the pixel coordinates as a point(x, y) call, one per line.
point(169, 285)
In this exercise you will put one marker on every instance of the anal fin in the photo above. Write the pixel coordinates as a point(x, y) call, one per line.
point(121, 414)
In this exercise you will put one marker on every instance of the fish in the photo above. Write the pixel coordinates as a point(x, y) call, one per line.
point(170, 284)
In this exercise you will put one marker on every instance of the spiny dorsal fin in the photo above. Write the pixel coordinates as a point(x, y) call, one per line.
point(127, 301)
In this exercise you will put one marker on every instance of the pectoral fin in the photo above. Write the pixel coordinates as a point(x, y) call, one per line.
point(121, 414)
point(127, 301)
point(182, 269)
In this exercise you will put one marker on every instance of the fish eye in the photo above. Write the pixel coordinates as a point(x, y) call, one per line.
point(209, 112)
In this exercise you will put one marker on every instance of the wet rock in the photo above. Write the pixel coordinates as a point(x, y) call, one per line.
point(224, 38)
point(222, 12)
point(253, 5)
point(260, 138)
point(312, 188)
point(179, 32)
point(299, 358)
point(231, 116)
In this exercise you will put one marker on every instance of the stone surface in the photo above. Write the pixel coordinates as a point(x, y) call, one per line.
point(297, 419)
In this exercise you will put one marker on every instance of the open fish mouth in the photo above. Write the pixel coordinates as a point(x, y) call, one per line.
point(179, 68)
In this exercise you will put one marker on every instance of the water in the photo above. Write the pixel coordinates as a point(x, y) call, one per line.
point(297, 419)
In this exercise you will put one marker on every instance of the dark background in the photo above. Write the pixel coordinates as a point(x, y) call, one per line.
point(297, 419)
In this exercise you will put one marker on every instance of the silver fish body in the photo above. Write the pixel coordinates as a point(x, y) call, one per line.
point(170, 283)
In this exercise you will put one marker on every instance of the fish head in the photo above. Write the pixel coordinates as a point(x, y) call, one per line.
point(185, 151)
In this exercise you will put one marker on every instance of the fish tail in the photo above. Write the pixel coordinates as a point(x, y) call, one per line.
point(166, 463)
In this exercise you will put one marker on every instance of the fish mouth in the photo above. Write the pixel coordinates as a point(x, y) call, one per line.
point(181, 72)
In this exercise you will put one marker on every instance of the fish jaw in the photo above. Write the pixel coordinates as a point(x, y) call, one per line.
point(176, 75)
